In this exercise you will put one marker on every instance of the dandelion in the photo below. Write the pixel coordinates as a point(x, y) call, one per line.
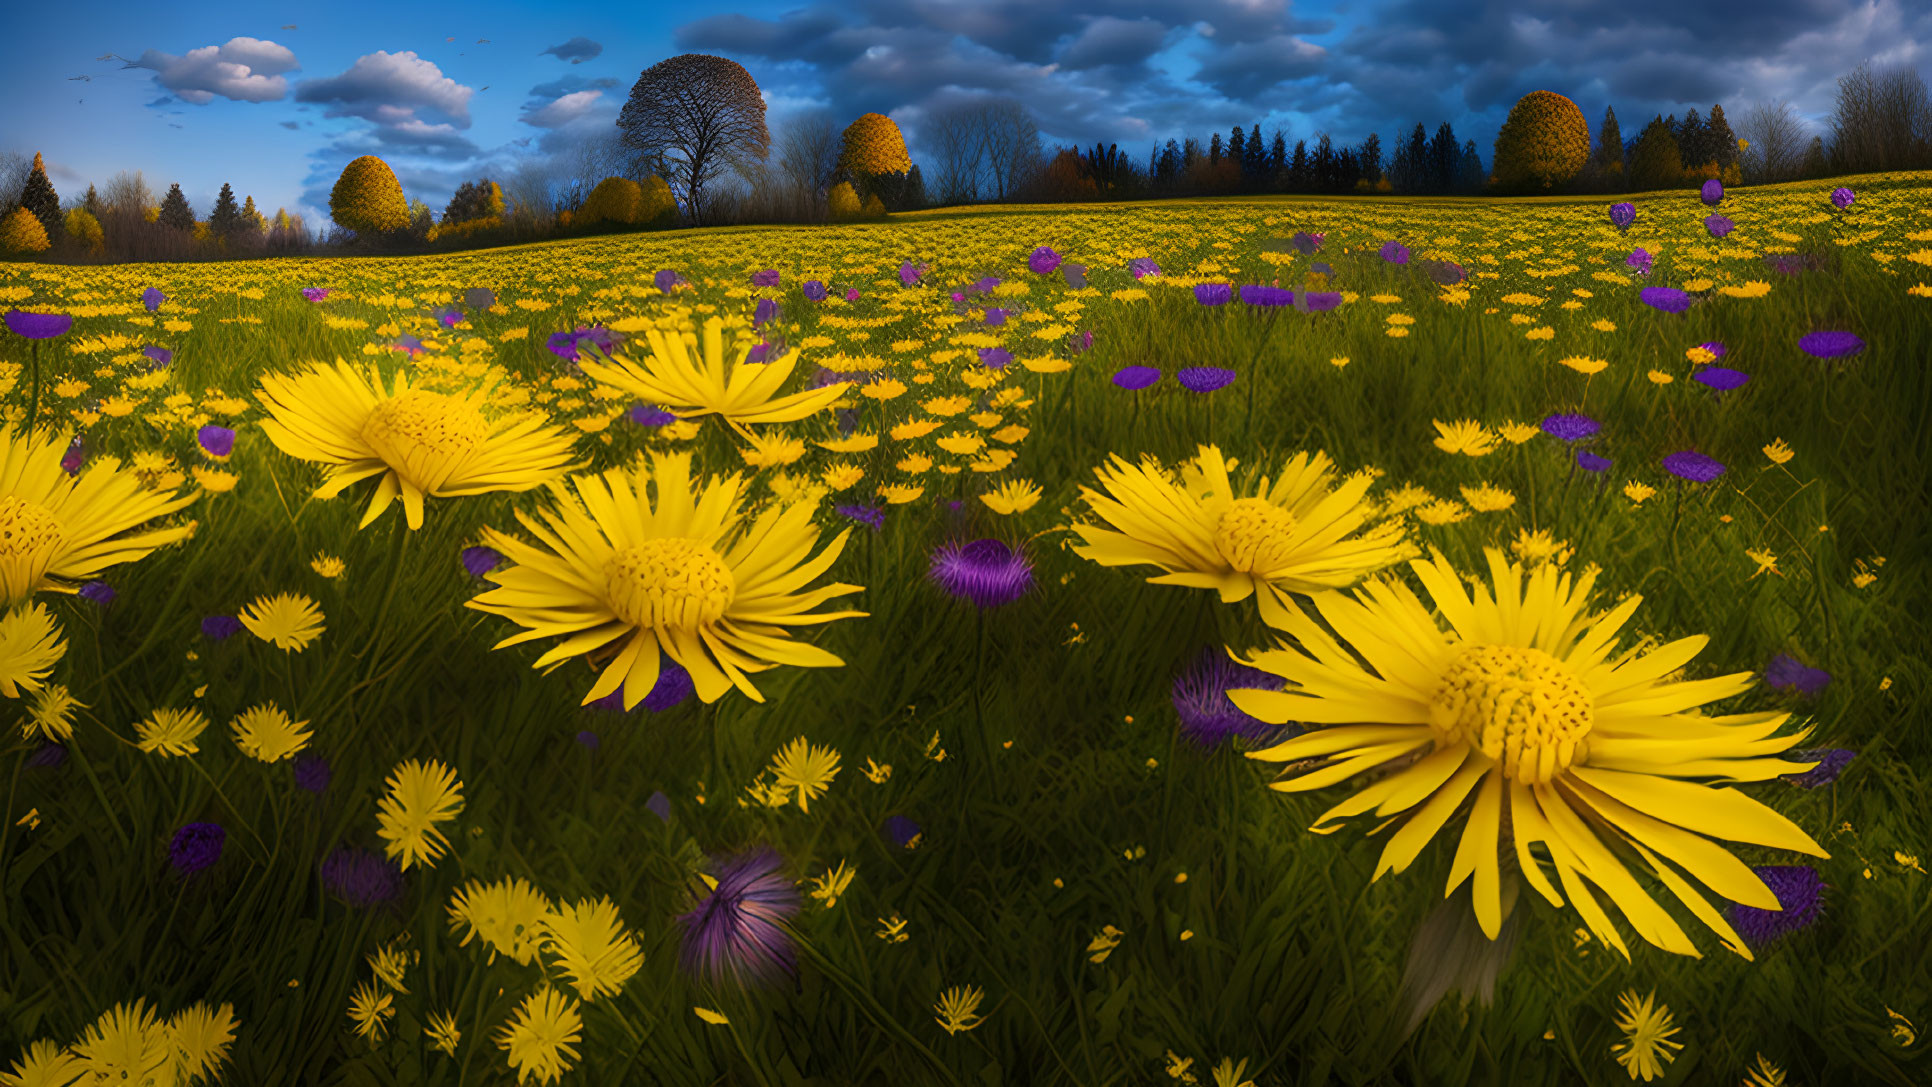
point(985, 572)
point(958, 1008)
point(1013, 496)
point(196, 847)
point(1767, 562)
point(421, 795)
point(828, 887)
point(1465, 436)
point(539, 1036)
point(1104, 944)
point(1486, 498)
point(170, 732)
point(1230, 1074)
point(129, 1044)
point(30, 646)
point(592, 947)
point(1778, 452)
point(1763, 1073)
point(50, 714)
point(1830, 345)
point(1646, 1047)
point(736, 931)
point(440, 1028)
point(894, 930)
point(1539, 546)
point(508, 916)
point(289, 621)
point(805, 769)
point(1177, 1068)
point(267, 734)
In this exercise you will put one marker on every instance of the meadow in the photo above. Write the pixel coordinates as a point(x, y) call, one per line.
point(1017, 814)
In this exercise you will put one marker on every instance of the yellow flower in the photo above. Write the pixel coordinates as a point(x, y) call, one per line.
point(1465, 436)
point(1584, 365)
point(772, 450)
point(693, 385)
point(805, 769)
point(917, 428)
point(130, 1044)
point(898, 494)
point(288, 621)
point(508, 915)
point(1486, 498)
point(841, 477)
point(877, 772)
point(592, 947)
point(1604, 326)
point(1013, 496)
point(1767, 562)
point(1646, 1047)
point(858, 442)
point(964, 445)
point(1539, 547)
point(1658, 377)
point(1103, 945)
point(46, 1064)
point(1763, 1073)
point(1229, 1074)
point(958, 1007)
point(327, 565)
point(1902, 1029)
point(30, 646)
point(1778, 451)
point(50, 714)
point(421, 795)
point(441, 1030)
point(1756, 288)
point(389, 964)
point(202, 1036)
point(1009, 435)
point(716, 1019)
point(1699, 356)
point(1444, 512)
point(538, 1037)
point(170, 731)
point(828, 887)
point(371, 1007)
point(215, 480)
point(914, 463)
point(1517, 433)
point(266, 733)
point(894, 931)
point(1338, 361)
point(888, 389)
point(944, 406)
point(1177, 1068)
point(1637, 492)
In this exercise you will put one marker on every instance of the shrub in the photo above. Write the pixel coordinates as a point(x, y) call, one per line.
point(1543, 144)
point(468, 230)
point(84, 229)
point(1654, 162)
point(22, 233)
point(617, 200)
point(659, 206)
point(874, 207)
point(368, 199)
point(842, 202)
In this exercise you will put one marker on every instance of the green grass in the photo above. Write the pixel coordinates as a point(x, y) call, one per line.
point(1295, 956)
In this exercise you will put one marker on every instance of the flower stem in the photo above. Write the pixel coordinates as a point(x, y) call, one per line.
point(33, 407)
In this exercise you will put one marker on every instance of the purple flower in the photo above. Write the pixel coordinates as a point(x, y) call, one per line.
point(1665, 299)
point(38, 326)
point(646, 415)
point(1142, 267)
point(1254, 294)
point(588, 739)
point(995, 315)
point(1043, 260)
point(1208, 716)
point(766, 278)
point(563, 345)
point(479, 298)
point(1074, 274)
point(673, 686)
point(1712, 192)
point(1622, 215)
point(903, 831)
point(986, 572)
point(1570, 427)
point(1305, 242)
point(1800, 891)
point(766, 310)
point(159, 356)
point(220, 628)
point(481, 560)
point(1716, 349)
point(1841, 198)
point(1213, 294)
point(49, 755)
point(152, 298)
point(1693, 466)
point(1590, 462)
point(1395, 252)
point(1792, 264)
point(315, 294)
point(815, 290)
point(851, 294)
point(312, 773)
point(409, 344)
point(664, 280)
point(1830, 345)
point(1081, 342)
point(1831, 762)
point(865, 515)
point(909, 275)
point(1639, 259)
point(1787, 673)
point(76, 455)
point(1136, 378)
point(995, 358)
point(660, 805)
point(736, 931)
point(1204, 379)
point(449, 316)
point(100, 592)
point(216, 441)
point(1721, 378)
point(1317, 301)
point(361, 878)
point(196, 846)
point(1446, 273)
point(759, 354)
point(1718, 225)
point(986, 285)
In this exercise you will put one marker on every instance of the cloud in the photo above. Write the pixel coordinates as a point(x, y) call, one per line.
point(164, 100)
point(1108, 40)
point(291, 125)
point(1246, 70)
point(389, 88)
point(576, 50)
point(571, 119)
point(244, 70)
point(564, 110)
point(568, 84)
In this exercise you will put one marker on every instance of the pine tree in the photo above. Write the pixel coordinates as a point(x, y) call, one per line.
point(1445, 156)
point(1655, 162)
point(175, 211)
point(1609, 143)
point(1416, 159)
point(252, 217)
point(1214, 151)
point(1255, 162)
point(1324, 163)
point(913, 195)
point(1277, 157)
point(1469, 172)
point(1237, 146)
point(38, 196)
point(1692, 140)
point(1371, 158)
point(1723, 142)
point(459, 204)
point(226, 218)
point(93, 203)
point(1298, 168)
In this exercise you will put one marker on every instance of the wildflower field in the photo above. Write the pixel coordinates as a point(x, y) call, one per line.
point(800, 655)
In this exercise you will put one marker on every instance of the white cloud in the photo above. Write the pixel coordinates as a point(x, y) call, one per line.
point(244, 69)
point(389, 88)
point(562, 111)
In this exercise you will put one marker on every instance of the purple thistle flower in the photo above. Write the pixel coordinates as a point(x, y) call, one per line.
point(479, 298)
point(312, 773)
point(1799, 889)
point(76, 455)
point(450, 318)
point(1622, 215)
point(196, 846)
point(100, 592)
point(1841, 198)
point(909, 275)
point(1204, 379)
point(903, 832)
point(815, 290)
point(986, 572)
point(1395, 252)
point(1590, 462)
point(1716, 349)
point(1142, 267)
point(220, 628)
point(1570, 427)
point(737, 930)
point(1042, 260)
point(865, 515)
point(986, 285)
point(1317, 301)
point(1711, 193)
point(646, 415)
point(1305, 242)
point(1255, 294)
point(851, 294)
point(1830, 345)
point(673, 686)
point(1213, 294)
point(1081, 342)
point(216, 441)
point(563, 345)
point(766, 278)
point(1831, 762)
point(660, 805)
point(995, 316)
point(1074, 274)
point(158, 356)
point(1721, 378)
point(361, 878)
point(766, 310)
point(995, 358)
point(1136, 378)
point(315, 294)
point(1200, 696)
point(1787, 673)
point(49, 755)
point(588, 739)
point(1639, 259)
point(1693, 466)
point(664, 280)
point(1718, 225)
point(38, 326)
point(480, 560)
point(152, 298)
point(1665, 299)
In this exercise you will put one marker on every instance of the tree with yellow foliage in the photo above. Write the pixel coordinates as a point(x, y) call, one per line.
point(842, 202)
point(84, 229)
point(368, 199)
point(615, 200)
point(872, 148)
point(21, 233)
point(1544, 143)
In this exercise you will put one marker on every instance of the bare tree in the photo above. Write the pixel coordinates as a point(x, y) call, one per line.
point(579, 167)
point(953, 134)
point(809, 153)
point(691, 112)
point(1882, 121)
point(1777, 142)
point(528, 209)
point(1011, 141)
point(14, 168)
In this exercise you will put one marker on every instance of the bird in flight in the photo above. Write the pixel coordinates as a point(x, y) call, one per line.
point(290, 26)
point(449, 39)
point(483, 88)
point(171, 124)
point(482, 41)
point(110, 56)
point(87, 78)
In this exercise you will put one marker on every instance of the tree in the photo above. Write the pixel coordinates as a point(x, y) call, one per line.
point(808, 155)
point(1607, 163)
point(93, 203)
point(842, 202)
point(1322, 163)
point(20, 232)
point(81, 226)
point(1238, 148)
point(1882, 121)
point(226, 218)
point(1298, 169)
point(1254, 160)
point(874, 207)
point(1445, 156)
point(175, 211)
point(1277, 158)
point(1169, 167)
point(422, 220)
point(367, 198)
point(659, 206)
point(1654, 163)
point(1011, 140)
point(872, 149)
point(1693, 140)
point(690, 114)
point(128, 194)
point(615, 200)
point(1469, 171)
point(38, 196)
point(913, 193)
point(1776, 142)
point(1214, 150)
point(14, 168)
point(1722, 141)
point(1370, 158)
point(1816, 163)
point(1543, 144)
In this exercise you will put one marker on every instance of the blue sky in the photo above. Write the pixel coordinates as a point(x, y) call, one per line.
point(276, 102)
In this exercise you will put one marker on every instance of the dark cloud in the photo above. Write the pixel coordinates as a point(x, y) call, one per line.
point(1108, 40)
point(164, 100)
point(570, 84)
point(576, 50)
point(389, 88)
point(1247, 70)
point(243, 69)
point(291, 125)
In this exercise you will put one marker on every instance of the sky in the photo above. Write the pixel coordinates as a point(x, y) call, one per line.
point(276, 104)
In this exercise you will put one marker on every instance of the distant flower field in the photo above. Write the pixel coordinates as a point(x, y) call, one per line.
point(1246, 642)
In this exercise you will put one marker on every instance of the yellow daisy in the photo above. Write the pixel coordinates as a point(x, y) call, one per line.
point(51, 714)
point(830, 886)
point(625, 578)
point(202, 1036)
point(442, 1032)
point(421, 795)
point(592, 947)
point(690, 385)
point(30, 646)
point(288, 621)
point(507, 915)
point(371, 1007)
point(538, 1037)
point(1646, 1047)
point(1525, 703)
point(128, 1044)
point(170, 731)
point(57, 531)
point(958, 1008)
point(420, 443)
point(1294, 535)
point(804, 769)
point(1013, 496)
point(46, 1064)
point(267, 734)
point(1465, 436)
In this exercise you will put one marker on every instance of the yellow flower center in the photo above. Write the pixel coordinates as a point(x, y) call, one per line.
point(1255, 535)
point(669, 584)
point(1521, 707)
point(412, 430)
point(29, 537)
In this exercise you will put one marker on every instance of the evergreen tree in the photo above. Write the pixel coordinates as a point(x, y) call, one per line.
point(1692, 140)
point(1608, 162)
point(93, 204)
point(1237, 146)
point(1170, 163)
point(175, 211)
point(1191, 153)
point(38, 196)
point(1416, 158)
point(1655, 162)
point(1723, 141)
point(1324, 163)
point(1347, 169)
point(1214, 151)
point(1445, 156)
point(226, 218)
point(1469, 172)
point(1371, 158)
point(1277, 158)
point(460, 203)
point(1255, 164)
point(1298, 168)
point(912, 193)
point(252, 217)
